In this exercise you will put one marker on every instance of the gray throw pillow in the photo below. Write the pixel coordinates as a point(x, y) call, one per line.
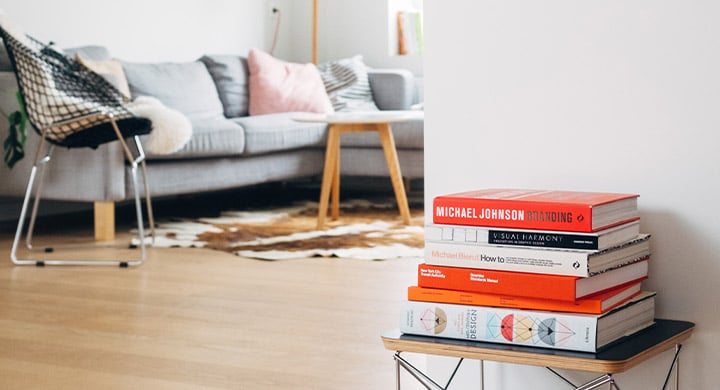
point(346, 82)
point(92, 52)
point(185, 86)
point(230, 74)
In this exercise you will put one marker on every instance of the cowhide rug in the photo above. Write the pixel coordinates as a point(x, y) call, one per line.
point(365, 230)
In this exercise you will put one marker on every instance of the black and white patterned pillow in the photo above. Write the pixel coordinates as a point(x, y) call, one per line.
point(347, 84)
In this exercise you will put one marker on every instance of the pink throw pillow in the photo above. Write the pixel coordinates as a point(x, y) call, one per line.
point(279, 86)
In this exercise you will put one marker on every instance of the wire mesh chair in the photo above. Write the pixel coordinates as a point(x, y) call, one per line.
point(69, 105)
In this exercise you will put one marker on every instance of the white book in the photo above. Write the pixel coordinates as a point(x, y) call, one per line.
point(534, 328)
point(580, 263)
point(479, 235)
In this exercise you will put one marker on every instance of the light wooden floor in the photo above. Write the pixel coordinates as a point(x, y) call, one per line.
point(194, 318)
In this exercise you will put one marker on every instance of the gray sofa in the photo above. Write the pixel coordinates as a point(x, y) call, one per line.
point(228, 149)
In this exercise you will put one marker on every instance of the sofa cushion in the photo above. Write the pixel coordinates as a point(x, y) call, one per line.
point(279, 86)
point(230, 74)
point(277, 132)
point(407, 135)
point(186, 87)
point(213, 137)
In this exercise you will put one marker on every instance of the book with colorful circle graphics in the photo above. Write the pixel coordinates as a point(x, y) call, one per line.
point(536, 328)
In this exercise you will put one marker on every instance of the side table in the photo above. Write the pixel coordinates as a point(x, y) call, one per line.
point(664, 335)
point(349, 122)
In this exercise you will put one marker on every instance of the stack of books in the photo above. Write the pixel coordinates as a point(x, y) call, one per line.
point(410, 32)
point(553, 269)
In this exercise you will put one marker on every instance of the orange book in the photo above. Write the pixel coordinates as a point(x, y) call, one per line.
point(593, 304)
point(524, 284)
point(536, 209)
point(402, 47)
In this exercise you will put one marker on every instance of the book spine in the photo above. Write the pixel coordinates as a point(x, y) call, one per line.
point(512, 214)
point(500, 325)
point(424, 294)
point(402, 47)
point(544, 240)
point(498, 282)
point(419, 32)
point(526, 238)
point(538, 261)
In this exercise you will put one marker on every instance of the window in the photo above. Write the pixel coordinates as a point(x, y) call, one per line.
point(405, 22)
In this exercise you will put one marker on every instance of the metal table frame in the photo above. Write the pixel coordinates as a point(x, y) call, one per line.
point(662, 336)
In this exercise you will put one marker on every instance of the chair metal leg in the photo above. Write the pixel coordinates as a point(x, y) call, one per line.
point(148, 199)
point(138, 211)
point(40, 165)
point(21, 220)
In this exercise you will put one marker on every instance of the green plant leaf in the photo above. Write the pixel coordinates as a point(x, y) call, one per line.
point(14, 145)
point(23, 116)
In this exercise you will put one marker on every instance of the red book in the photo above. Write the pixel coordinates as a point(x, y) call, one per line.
point(593, 304)
point(536, 209)
point(523, 284)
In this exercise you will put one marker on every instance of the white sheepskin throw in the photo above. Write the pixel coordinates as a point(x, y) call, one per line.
point(171, 129)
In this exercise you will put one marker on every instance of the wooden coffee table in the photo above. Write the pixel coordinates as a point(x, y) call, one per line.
point(350, 122)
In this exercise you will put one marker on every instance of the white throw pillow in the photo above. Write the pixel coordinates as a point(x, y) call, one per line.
point(171, 129)
point(347, 84)
point(110, 70)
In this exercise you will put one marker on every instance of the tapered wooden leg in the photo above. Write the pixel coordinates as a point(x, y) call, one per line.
point(407, 182)
point(388, 143)
point(331, 156)
point(104, 221)
point(335, 198)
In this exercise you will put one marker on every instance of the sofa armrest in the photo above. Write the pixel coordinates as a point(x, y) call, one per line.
point(392, 89)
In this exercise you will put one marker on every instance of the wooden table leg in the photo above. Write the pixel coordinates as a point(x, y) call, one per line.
point(104, 218)
point(329, 172)
point(335, 190)
point(388, 143)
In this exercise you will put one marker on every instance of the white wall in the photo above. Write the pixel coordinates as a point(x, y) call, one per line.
point(345, 28)
point(142, 30)
point(183, 30)
point(611, 95)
